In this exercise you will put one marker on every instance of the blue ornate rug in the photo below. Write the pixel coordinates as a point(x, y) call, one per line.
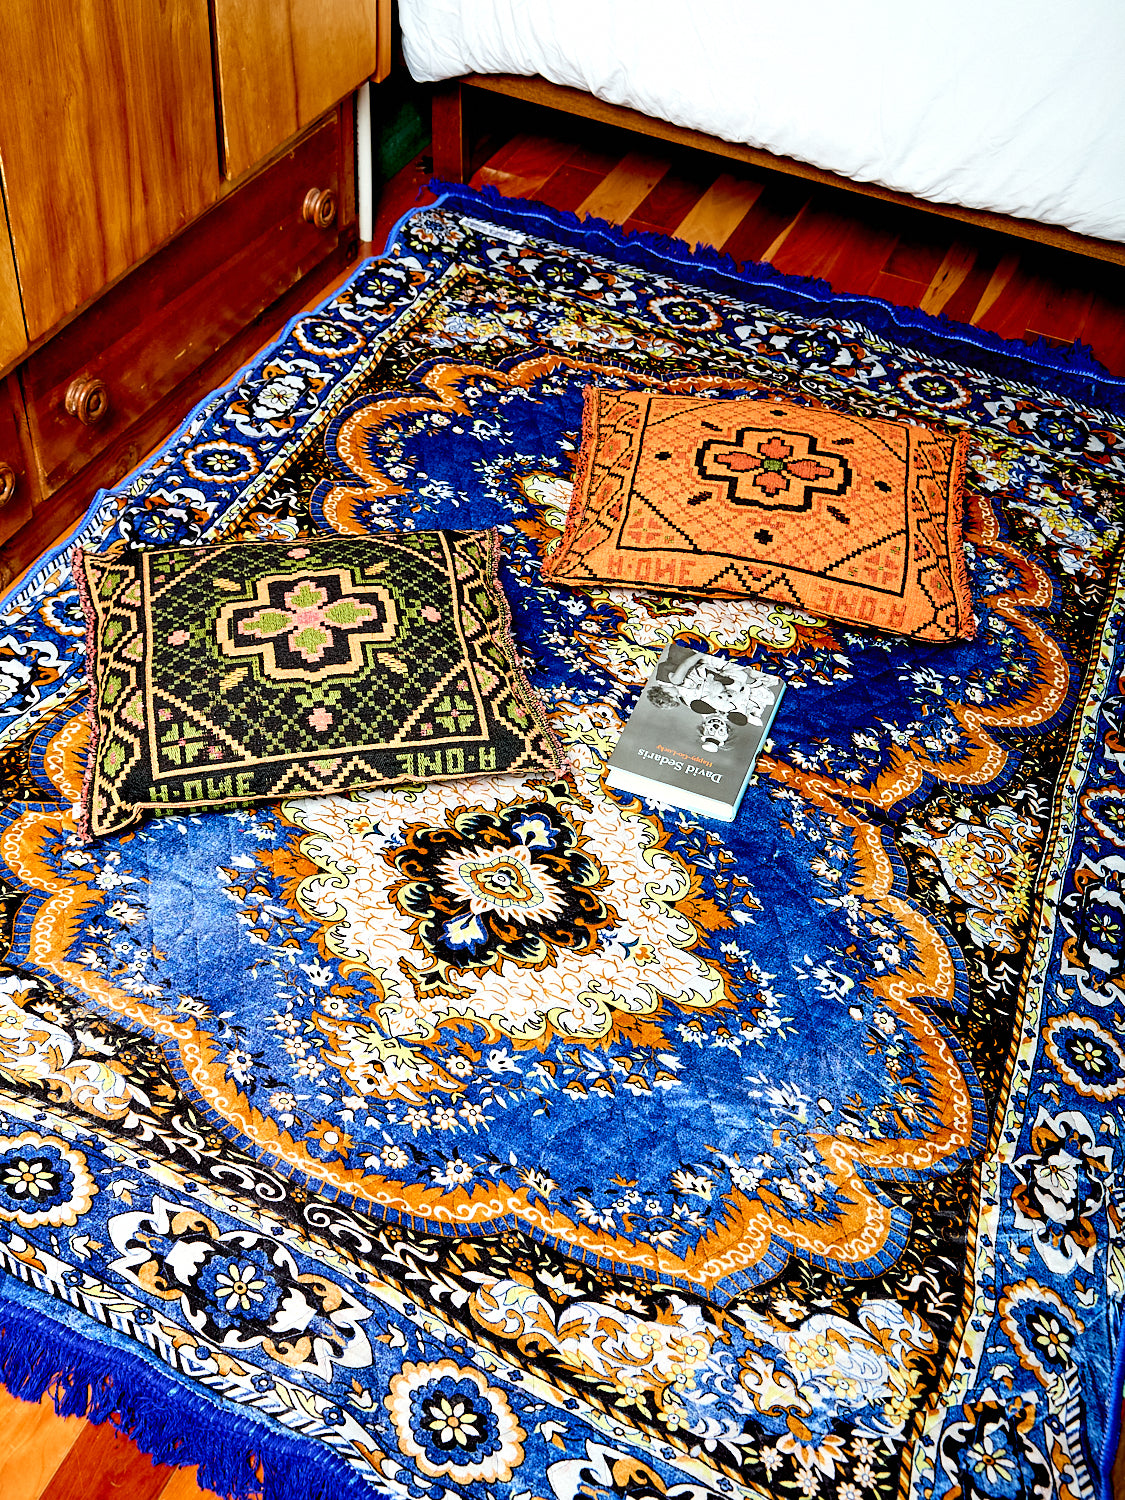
point(781, 1157)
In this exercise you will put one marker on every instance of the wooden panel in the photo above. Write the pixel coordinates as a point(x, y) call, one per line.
point(143, 338)
point(109, 144)
point(13, 334)
point(282, 63)
point(18, 489)
point(66, 507)
point(239, 267)
point(383, 21)
point(450, 136)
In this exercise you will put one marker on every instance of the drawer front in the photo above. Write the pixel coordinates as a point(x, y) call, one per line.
point(15, 481)
point(100, 375)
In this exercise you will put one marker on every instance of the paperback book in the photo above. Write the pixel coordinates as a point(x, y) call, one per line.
point(695, 733)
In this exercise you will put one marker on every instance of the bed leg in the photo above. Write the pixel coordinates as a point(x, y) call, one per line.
point(451, 156)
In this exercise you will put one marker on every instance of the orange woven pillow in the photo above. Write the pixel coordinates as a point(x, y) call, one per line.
point(847, 517)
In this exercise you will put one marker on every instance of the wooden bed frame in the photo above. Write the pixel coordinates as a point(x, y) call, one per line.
point(452, 149)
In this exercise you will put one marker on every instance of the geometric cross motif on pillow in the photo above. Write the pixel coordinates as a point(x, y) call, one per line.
point(847, 517)
point(776, 470)
point(239, 671)
point(311, 629)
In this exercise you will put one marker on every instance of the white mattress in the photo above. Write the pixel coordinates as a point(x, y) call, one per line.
point(1012, 105)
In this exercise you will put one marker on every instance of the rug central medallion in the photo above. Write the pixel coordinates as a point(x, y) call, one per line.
point(515, 885)
point(526, 910)
point(503, 1002)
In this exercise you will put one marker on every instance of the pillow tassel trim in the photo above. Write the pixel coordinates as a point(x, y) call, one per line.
point(85, 831)
point(583, 474)
point(508, 641)
point(959, 570)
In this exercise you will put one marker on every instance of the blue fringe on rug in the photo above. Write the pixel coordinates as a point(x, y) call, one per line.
point(105, 1382)
point(1071, 371)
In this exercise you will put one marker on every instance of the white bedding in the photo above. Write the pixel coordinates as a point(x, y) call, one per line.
point(1012, 105)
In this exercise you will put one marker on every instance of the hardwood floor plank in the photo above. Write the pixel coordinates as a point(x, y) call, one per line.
point(777, 245)
point(104, 1465)
point(595, 152)
point(1060, 312)
point(1006, 267)
point(183, 1484)
point(819, 237)
point(517, 147)
point(625, 188)
point(719, 212)
point(1104, 331)
point(674, 195)
point(519, 172)
point(858, 261)
point(915, 258)
point(902, 291)
point(1008, 316)
point(775, 212)
point(961, 305)
point(568, 187)
point(955, 266)
point(34, 1440)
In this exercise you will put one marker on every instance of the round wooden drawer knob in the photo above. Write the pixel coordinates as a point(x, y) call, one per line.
point(320, 208)
point(7, 483)
point(87, 399)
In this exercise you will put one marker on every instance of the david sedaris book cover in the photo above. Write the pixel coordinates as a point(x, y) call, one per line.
point(695, 732)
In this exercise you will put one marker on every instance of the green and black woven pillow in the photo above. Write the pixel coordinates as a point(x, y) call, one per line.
point(243, 671)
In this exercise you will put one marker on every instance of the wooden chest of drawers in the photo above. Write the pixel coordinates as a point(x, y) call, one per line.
point(178, 179)
point(15, 479)
point(99, 377)
point(106, 388)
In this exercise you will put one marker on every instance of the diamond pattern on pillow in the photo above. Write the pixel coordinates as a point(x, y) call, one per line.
point(850, 518)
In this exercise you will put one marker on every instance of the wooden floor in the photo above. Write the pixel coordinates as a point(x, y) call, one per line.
point(45, 1457)
point(1012, 288)
point(914, 259)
